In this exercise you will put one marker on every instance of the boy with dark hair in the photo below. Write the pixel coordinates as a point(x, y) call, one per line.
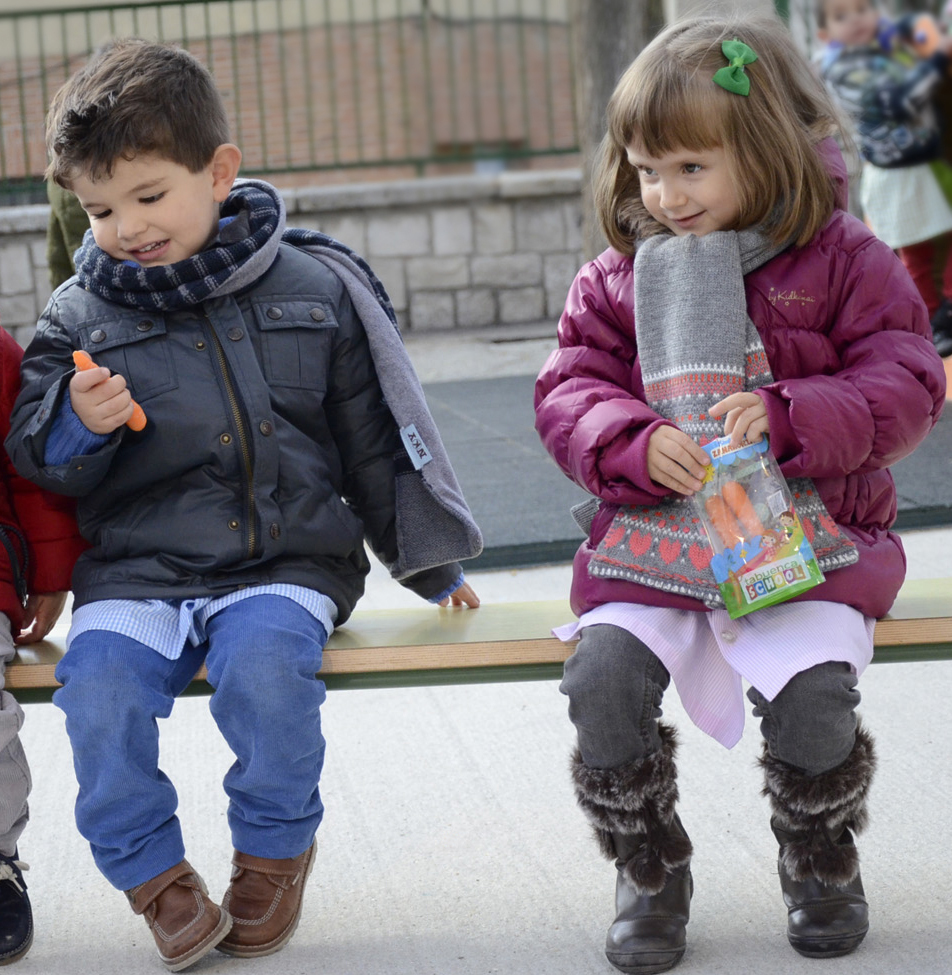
point(284, 425)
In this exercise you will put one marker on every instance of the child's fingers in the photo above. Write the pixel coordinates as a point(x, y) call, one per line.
point(85, 380)
point(675, 461)
point(85, 366)
point(749, 425)
point(736, 401)
point(464, 596)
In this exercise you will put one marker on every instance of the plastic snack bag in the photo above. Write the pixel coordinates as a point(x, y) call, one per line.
point(761, 554)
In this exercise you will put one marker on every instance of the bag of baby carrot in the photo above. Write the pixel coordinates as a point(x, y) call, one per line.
point(761, 555)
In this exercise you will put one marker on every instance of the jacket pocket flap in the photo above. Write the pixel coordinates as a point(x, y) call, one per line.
point(274, 312)
point(107, 333)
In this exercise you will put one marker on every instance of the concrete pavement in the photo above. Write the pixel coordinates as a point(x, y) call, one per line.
point(452, 844)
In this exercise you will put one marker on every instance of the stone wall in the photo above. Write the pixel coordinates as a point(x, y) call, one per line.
point(457, 252)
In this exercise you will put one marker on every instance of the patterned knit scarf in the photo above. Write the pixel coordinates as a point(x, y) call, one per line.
point(696, 345)
point(231, 263)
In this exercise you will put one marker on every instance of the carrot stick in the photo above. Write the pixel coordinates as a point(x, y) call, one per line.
point(737, 500)
point(723, 520)
point(83, 362)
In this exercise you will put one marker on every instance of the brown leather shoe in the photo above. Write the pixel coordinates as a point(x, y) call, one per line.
point(185, 923)
point(264, 898)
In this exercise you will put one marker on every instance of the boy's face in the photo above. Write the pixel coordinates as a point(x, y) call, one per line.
point(153, 211)
point(688, 191)
point(852, 23)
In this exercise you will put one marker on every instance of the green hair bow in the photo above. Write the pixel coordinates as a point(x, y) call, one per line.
point(734, 78)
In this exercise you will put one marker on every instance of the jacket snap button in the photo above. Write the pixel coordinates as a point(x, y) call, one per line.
point(235, 334)
point(145, 326)
point(266, 427)
point(98, 335)
point(225, 438)
point(234, 524)
point(275, 531)
point(318, 315)
point(200, 345)
point(275, 313)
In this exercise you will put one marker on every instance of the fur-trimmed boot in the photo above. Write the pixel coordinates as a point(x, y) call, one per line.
point(814, 818)
point(631, 808)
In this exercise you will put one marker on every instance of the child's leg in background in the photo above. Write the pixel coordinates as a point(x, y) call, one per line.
point(16, 915)
point(15, 782)
point(920, 260)
point(818, 765)
point(264, 654)
point(625, 781)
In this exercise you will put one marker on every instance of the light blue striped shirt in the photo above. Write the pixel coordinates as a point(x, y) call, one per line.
point(166, 625)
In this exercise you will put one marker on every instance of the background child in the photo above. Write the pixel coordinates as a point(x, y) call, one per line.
point(737, 296)
point(39, 545)
point(64, 235)
point(230, 530)
point(891, 101)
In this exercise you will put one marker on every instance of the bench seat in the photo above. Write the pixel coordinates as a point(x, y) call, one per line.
point(497, 642)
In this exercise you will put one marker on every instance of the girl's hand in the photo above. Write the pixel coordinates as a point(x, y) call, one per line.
point(675, 461)
point(746, 417)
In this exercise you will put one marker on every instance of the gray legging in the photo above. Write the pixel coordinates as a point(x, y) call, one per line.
point(615, 684)
point(15, 782)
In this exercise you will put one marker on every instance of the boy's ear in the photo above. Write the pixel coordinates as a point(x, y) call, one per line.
point(224, 170)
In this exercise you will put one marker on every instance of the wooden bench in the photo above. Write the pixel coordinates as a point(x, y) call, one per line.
point(497, 642)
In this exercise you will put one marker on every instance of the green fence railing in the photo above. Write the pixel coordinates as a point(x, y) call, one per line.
point(389, 88)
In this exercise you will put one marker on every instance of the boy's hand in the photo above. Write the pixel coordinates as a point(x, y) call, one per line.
point(100, 400)
point(675, 461)
point(464, 596)
point(42, 611)
point(746, 417)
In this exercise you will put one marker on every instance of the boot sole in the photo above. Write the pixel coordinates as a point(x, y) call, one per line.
point(201, 949)
point(19, 953)
point(654, 963)
point(259, 951)
point(833, 949)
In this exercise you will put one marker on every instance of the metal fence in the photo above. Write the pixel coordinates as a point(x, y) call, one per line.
point(379, 88)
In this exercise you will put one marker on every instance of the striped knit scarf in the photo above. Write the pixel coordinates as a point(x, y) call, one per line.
point(231, 263)
point(696, 345)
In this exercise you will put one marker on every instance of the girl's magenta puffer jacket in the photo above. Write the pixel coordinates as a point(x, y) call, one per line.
point(857, 386)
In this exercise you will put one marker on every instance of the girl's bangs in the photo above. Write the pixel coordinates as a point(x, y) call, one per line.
point(668, 115)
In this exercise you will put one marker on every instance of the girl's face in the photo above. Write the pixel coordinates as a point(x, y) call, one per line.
point(688, 191)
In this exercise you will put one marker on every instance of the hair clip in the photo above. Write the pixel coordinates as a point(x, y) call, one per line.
point(734, 78)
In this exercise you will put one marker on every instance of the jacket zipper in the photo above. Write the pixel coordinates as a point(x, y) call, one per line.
point(244, 442)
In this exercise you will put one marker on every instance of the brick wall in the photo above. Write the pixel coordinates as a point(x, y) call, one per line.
point(370, 100)
point(454, 252)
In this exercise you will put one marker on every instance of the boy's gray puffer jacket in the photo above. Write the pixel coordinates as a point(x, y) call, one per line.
point(269, 451)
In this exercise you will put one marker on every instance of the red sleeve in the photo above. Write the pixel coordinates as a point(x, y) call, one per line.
point(46, 520)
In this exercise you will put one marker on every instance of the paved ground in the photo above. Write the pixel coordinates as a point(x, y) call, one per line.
point(487, 422)
point(452, 844)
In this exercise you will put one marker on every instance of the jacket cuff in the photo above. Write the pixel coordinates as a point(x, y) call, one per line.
point(448, 591)
point(436, 583)
point(69, 437)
